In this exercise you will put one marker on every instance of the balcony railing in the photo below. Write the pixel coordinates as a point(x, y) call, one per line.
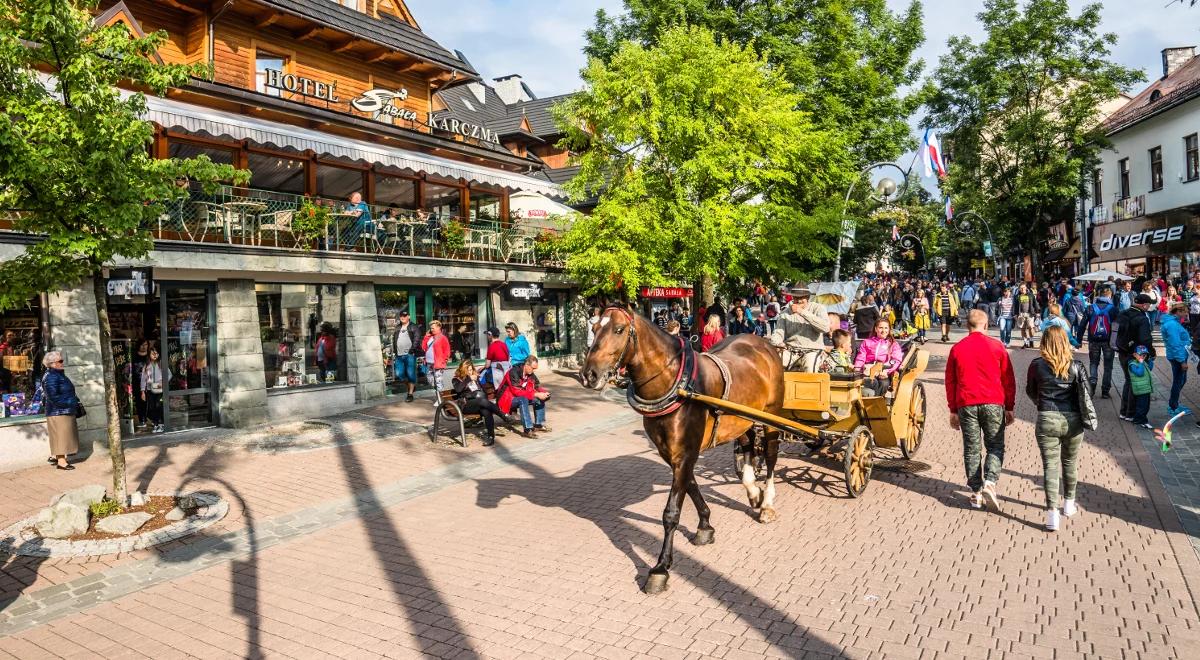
point(259, 218)
point(240, 216)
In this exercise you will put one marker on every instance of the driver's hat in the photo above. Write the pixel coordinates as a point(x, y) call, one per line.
point(800, 292)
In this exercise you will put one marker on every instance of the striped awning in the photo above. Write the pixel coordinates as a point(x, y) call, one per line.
point(216, 123)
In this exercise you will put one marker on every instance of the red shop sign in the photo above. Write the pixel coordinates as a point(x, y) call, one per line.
point(665, 292)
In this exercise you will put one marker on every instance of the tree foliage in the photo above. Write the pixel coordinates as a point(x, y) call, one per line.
point(75, 169)
point(691, 142)
point(1021, 112)
point(847, 59)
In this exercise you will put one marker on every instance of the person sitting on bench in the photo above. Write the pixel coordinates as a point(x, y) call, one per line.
point(472, 400)
point(879, 357)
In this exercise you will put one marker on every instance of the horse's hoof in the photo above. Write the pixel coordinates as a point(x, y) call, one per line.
point(767, 516)
point(656, 583)
point(704, 537)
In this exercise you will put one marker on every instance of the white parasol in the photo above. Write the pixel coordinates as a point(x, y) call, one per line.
point(1101, 276)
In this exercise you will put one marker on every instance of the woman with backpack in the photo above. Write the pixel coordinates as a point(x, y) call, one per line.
point(772, 312)
point(1177, 341)
point(1057, 384)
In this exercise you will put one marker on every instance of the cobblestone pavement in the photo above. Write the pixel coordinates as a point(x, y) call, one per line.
point(403, 548)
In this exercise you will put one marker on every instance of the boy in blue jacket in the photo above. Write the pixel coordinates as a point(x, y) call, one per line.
point(1177, 340)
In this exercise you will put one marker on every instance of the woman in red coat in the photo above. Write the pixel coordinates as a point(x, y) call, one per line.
point(437, 353)
point(521, 391)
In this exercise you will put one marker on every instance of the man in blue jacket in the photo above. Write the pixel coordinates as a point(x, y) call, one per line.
point(1177, 340)
point(1100, 318)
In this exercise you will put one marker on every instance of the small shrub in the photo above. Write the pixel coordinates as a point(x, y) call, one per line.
point(105, 508)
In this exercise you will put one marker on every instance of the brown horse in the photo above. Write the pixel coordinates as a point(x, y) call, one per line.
point(659, 365)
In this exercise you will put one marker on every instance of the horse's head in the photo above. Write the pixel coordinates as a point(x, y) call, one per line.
point(613, 343)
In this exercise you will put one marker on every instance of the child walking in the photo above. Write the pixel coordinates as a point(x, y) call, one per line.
point(921, 317)
point(1141, 384)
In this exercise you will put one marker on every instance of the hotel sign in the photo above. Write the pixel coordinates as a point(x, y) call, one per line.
point(290, 82)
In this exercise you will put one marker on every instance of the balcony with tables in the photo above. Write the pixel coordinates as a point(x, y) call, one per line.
point(274, 220)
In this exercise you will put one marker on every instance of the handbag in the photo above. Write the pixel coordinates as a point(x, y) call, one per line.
point(80, 411)
point(1087, 410)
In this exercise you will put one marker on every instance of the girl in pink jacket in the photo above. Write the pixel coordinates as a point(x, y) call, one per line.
point(880, 348)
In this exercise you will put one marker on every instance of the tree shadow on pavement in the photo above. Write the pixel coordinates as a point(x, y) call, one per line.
point(17, 573)
point(602, 491)
point(409, 583)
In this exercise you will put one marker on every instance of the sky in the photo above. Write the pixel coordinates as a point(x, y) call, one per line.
point(543, 39)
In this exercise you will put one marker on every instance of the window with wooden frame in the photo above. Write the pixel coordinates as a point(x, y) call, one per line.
point(185, 148)
point(1191, 157)
point(264, 60)
point(276, 171)
point(1097, 187)
point(397, 191)
point(1123, 172)
point(1156, 175)
point(339, 182)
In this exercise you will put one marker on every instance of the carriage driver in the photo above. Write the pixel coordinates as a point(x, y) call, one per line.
point(801, 330)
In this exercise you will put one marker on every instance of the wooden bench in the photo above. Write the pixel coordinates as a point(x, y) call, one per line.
point(449, 410)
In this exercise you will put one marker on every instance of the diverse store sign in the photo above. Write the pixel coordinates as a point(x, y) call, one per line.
point(1147, 237)
point(137, 284)
point(451, 125)
point(523, 292)
point(665, 292)
point(290, 82)
point(382, 103)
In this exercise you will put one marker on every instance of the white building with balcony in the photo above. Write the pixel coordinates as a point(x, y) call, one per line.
point(1144, 201)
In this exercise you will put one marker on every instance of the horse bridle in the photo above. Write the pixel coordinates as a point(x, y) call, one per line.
point(669, 402)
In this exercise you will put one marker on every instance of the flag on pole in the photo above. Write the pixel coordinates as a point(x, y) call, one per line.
point(931, 150)
point(949, 210)
point(895, 232)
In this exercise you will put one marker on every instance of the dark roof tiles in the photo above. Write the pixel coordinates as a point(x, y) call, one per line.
point(1165, 93)
point(385, 31)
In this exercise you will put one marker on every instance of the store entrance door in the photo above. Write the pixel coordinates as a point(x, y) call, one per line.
point(390, 302)
point(188, 311)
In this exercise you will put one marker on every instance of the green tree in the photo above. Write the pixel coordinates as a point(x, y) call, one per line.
point(848, 59)
point(1021, 110)
point(690, 141)
point(75, 169)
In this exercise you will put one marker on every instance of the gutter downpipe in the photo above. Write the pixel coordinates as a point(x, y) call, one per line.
point(212, 55)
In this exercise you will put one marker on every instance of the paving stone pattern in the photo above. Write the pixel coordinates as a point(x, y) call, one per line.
point(536, 551)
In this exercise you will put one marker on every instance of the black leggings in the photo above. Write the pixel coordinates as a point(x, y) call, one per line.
point(154, 407)
point(485, 408)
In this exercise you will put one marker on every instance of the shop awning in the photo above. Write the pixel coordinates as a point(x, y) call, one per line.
point(1055, 255)
point(216, 123)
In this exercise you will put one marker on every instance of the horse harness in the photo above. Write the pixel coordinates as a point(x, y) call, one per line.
point(685, 379)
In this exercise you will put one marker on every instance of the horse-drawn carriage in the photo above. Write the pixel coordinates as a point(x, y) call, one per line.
point(831, 414)
point(739, 392)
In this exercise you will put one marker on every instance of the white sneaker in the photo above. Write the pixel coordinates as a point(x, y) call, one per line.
point(1069, 508)
point(158, 428)
point(989, 496)
point(1052, 520)
point(976, 501)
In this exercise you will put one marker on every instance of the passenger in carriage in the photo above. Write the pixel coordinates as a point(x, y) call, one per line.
point(840, 361)
point(879, 349)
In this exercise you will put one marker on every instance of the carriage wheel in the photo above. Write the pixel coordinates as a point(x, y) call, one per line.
point(860, 445)
point(911, 441)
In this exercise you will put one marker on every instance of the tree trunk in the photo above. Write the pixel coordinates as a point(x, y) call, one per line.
point(116, 450)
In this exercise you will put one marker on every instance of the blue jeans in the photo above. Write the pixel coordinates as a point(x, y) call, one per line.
point(538, 418)
point(1178, 378)
point(1006, 327)
point(1141, 408)
point(1154, 314)
point(406, 368)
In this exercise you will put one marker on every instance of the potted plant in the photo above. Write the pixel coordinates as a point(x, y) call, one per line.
point(310, 224)
point(454, 237)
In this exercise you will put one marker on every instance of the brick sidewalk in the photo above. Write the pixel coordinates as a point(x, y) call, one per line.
point(534, 551)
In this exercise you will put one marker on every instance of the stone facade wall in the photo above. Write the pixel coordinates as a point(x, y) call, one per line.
point(364, 353)
point(75, 330)
point(242, 386)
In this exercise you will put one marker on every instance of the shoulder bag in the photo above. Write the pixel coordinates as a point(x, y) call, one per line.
point(1087, 410)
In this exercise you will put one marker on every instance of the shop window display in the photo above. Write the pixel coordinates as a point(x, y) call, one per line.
point(301, 331)
point(550, 324)
point(459, 310)
point(20, 361)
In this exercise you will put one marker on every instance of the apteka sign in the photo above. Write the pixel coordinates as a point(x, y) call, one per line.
point(1148, 237)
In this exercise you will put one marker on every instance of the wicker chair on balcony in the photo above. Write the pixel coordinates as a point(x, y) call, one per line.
point(276, 221)
point(521, 250)
point(210, 218)
point(475, 242)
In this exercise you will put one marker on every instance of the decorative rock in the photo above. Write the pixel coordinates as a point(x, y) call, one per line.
point(186, 502)
point(62, 520)
point(83, 496)
point(176, 514)
point(137, 499)
point(124, 524)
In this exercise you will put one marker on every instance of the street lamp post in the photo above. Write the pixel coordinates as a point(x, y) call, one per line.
point(885, 190)
point(911, 242)
point(963, 225)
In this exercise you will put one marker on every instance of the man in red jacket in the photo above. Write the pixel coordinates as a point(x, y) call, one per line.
point(981, 392)
point(521, 391)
